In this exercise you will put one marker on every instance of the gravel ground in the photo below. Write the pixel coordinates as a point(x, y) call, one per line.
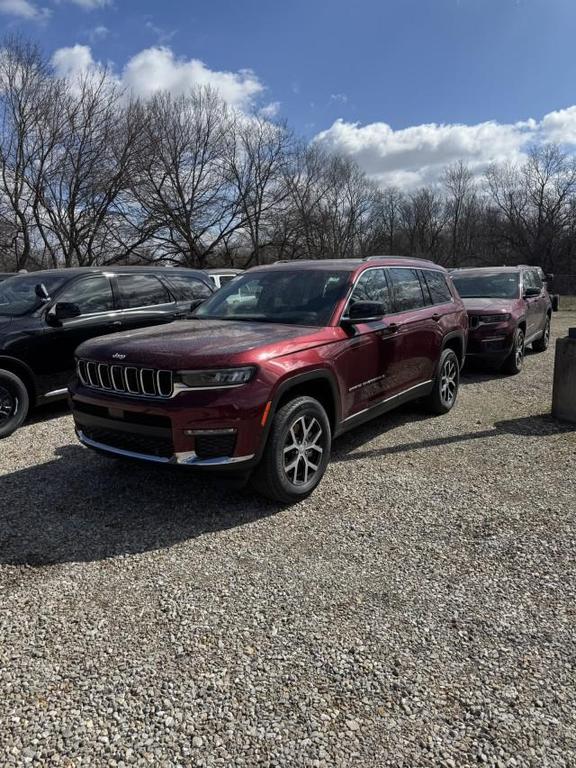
point(418, 610)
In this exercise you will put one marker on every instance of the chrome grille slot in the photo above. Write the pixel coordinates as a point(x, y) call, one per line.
point(132, 380)
point(92, 374)
point(145, 382)
point(164, 383)
point(148, 382)
point(117, 376)
point(104, 374)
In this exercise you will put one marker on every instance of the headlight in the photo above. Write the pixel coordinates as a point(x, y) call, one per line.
point(217, 377)
point(489, 319)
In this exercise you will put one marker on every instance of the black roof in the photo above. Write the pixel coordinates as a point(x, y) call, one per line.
point(115, 270)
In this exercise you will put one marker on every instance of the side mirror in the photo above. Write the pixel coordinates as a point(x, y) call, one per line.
point(41, 292)
point(365, 312)
point(530, 293)
point(63, 310)
point(196, 303)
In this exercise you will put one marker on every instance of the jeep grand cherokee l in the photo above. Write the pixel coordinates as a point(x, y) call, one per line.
point(508, 308)
point(273, 367)
point(44, 316)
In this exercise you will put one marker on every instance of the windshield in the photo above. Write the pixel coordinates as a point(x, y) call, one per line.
point(18, 294)
point(295, 297)
point(497, 285)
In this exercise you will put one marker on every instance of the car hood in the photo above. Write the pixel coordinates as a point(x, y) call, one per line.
point(199, 343)
point(5, 322)
point(489, 305)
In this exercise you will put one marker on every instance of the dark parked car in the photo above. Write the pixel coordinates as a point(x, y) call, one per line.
point(273, 366)
point(508, 308)
point(44, 316)
point(5, 276)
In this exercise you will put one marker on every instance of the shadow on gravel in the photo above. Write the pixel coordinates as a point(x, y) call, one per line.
point(542, 425)
point(82, 507)
point(49, 411)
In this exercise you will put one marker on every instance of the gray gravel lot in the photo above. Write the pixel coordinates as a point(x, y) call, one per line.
point(418, 610)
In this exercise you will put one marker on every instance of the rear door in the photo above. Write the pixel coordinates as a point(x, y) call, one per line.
point(533, 303)
point(370, 353)
point(419, 332)
point(188, 290)
point(145, 301)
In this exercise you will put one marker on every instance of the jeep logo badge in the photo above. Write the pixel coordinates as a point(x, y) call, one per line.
point(118, 356)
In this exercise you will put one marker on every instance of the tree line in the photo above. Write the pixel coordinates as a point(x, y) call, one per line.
point(91, 176)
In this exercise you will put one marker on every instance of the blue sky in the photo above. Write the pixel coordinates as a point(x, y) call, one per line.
point(374, 78)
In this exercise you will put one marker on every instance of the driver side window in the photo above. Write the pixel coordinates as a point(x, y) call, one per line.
point(372, 285)
point(90, 294)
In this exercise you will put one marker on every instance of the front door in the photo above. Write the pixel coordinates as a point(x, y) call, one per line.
point(98, 315)
point(370, 352)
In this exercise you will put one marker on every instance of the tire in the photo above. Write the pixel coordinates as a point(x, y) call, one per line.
point(515, 360)
point(542, 344)
point(286, 475)
point(446, 383)
point(14, 403)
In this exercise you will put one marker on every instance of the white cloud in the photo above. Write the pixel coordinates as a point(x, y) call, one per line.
point(74, 61)
point(339, 98)
point(90, 5)
point(24, 9)
point(417, 155)
point(157, 69)
point(270, 110)
point(98, 33)
point(560, 126)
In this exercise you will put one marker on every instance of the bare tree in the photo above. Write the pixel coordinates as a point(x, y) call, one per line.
point(184, 185)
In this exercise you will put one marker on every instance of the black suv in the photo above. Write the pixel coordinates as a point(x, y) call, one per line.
point(44, 316)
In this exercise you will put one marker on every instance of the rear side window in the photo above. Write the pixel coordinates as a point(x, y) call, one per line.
point(91, 295)
point(188, 288)
point(438, 287)
point(407, 289)
point(532, 279)
point(372, 285)
point(142, 291)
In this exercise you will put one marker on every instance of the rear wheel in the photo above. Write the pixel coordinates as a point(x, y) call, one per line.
point(515, 360)
point(542, 344)
point(14, 403)
point(297, 452)
point(445, 389)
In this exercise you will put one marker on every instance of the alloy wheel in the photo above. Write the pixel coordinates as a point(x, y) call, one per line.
point(8, 405)
point(449, 381)
point(303, 450)
point(519, 350)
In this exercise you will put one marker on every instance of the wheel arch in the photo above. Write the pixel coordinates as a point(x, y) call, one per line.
point(20, 369)
point(457, 343)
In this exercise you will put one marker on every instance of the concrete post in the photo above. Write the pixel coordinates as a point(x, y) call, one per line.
point(564, 393)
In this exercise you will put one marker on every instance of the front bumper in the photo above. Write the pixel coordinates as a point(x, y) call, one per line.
point(212, 430)
point(491, 342)
point(189, 459)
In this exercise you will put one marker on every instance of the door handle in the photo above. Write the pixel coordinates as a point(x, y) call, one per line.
point(436, 316)
point(390, 329)
point(115, 324)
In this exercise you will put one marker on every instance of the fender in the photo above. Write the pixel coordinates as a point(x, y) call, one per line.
point(321, 374)
point(17, 366)
point(461, 336)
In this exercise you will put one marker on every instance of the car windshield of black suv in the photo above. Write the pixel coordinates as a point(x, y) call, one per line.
point(18, 294)
point(498, 285)
point(294, 297)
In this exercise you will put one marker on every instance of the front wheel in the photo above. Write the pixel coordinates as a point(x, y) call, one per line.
point(14, 403)
point(297, 452)
point(445, 388)
point(542, 344)
point(515, 360)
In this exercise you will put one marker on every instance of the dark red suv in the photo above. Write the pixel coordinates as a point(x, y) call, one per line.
point(508, 308)
point(273, 367)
